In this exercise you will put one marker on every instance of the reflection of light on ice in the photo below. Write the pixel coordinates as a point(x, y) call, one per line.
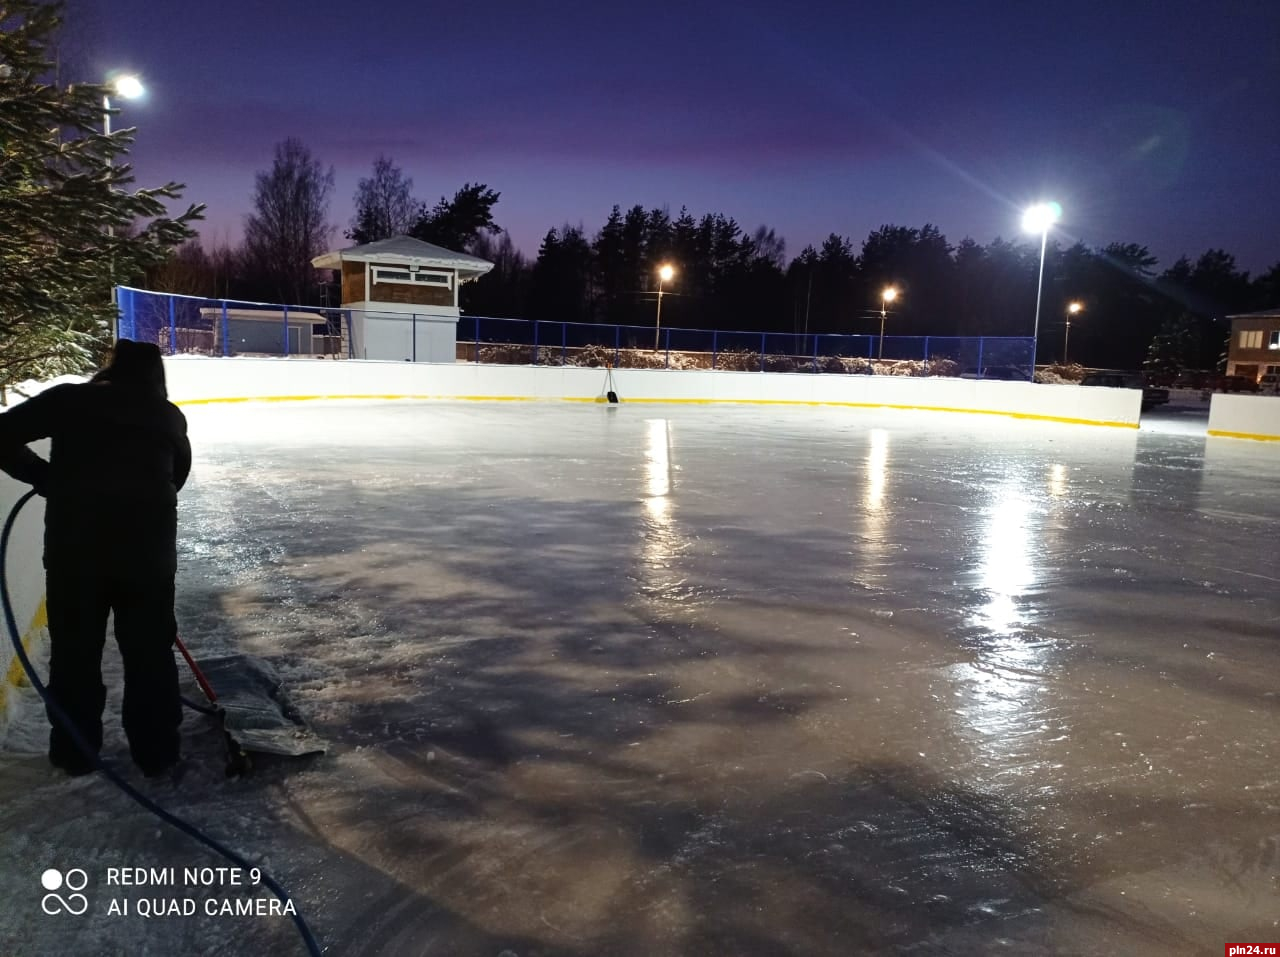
point(659, 535)
point(1058, 480)
point(658, 455)
point(1001, 689)
point(877, 469)
point(871, 549)
point(658, 508)
point(1007, 569)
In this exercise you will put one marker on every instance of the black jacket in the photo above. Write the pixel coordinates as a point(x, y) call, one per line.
point(118, 457)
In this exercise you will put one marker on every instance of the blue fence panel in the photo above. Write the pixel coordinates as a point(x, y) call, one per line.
point(738, 351)
point(590, 344)
point(503, 341)
point(192, 325)
point(789, 352)
point(900, 349)
point(1003, 357)
point(221, 327)
point(635, 337)
point(846, 347)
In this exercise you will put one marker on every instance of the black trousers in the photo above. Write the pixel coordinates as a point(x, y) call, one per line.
point(78, 601)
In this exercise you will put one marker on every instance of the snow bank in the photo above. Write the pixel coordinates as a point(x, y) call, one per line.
point(32, 387)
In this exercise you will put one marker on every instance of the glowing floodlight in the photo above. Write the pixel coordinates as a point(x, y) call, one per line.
point(1041, 217)
point(128, 86)
point(890, 293)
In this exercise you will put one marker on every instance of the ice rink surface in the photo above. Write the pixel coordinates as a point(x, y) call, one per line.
point(650, 680)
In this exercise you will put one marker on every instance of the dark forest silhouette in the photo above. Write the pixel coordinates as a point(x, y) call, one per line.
point(731, 278)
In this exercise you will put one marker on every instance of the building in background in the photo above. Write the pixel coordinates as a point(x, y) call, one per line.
point(1254, 350)
point(402, 297)
point(261, 331)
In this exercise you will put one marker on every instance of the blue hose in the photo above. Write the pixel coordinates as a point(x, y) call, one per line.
point(56, 710)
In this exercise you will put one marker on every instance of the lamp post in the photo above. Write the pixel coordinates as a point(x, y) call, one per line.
point(889, 295)
point(665, 272)
point(1074, 309)
point(1040, 219)
point(127, 87)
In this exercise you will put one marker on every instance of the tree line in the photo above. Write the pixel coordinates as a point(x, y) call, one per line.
point(728, 277)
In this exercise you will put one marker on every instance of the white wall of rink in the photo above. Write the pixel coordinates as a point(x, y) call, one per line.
point(24, 577)
point(201, 380)
point(1245, 417)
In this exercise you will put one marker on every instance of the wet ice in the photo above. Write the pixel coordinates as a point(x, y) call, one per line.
point(640, 680)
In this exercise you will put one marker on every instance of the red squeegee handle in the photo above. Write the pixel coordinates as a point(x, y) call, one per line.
point(201, 680)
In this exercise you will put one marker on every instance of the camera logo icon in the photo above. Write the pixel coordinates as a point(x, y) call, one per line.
point(74, 880)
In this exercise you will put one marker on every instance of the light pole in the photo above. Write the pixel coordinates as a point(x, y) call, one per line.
point(128, 87)
point(1074, 309)
point(1040, 219)
point(665, 272)
point(886, 297)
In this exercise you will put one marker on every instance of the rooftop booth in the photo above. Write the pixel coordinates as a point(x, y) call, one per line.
point(402, 294)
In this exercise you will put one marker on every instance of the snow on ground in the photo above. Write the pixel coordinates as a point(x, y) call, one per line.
point(645, 680)
point(30, 387)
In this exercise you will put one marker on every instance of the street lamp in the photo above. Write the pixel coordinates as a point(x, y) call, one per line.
point(127, 87)
point(1074, 309)
point(886, 297)
point(1040, 219)
point(665, 272)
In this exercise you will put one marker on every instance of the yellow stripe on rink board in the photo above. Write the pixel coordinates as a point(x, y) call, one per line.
point(381, 398)
point(1069, 420)
point(1257, 437)
point(16, 677)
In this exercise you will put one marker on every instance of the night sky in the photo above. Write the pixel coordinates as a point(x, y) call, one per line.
point(1156, 123)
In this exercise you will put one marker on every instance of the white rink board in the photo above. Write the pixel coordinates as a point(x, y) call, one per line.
point(24, 577)
point(1245, 417)
point(195, 380)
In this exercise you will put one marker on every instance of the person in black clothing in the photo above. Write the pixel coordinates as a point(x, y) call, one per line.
point(119, 456)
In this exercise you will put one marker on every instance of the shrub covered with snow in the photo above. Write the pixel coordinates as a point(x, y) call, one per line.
point(508, 354)
point(1058, 373)
point(738, 360)
point(943, 367)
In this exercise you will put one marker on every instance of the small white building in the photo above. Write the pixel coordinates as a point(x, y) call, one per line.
point(261, 331)
point(402, 294)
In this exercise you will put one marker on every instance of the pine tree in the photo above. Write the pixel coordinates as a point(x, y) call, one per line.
point(71, 226)
point(455, 224)
point(1174, 347)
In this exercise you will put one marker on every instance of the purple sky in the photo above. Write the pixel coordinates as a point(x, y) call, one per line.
point(1150, 122)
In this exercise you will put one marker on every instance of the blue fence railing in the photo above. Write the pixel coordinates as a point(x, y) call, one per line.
point(222, 327)
point(226, 327)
